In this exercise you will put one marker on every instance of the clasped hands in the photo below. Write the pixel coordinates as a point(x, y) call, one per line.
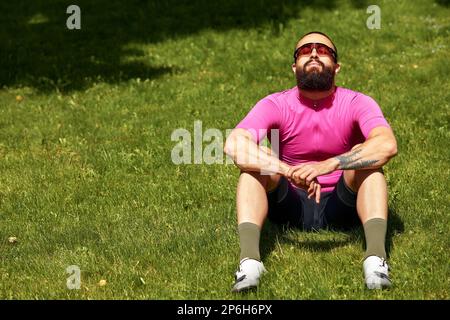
point(304, 176)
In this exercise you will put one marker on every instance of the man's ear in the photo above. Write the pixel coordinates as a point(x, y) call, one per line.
point(337, 68)
point(293, 67)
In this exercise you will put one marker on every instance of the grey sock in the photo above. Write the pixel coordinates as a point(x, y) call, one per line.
point(375, 232)
point(249, 234)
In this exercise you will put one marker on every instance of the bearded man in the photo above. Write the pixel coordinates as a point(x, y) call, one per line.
point(332, 144)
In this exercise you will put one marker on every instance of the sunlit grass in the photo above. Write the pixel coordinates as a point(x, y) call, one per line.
point(87, 179)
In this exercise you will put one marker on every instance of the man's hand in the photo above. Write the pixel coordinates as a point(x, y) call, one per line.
point(313, 188)
point(306, 173)
point(305, 176)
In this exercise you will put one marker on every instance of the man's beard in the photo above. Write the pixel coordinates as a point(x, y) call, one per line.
point(315, 80)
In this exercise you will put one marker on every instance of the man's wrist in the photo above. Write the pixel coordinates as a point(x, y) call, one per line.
point(284, 168)
point(333, 164)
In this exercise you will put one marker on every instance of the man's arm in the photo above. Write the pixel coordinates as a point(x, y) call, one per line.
point(248, 156)
point(375, 152)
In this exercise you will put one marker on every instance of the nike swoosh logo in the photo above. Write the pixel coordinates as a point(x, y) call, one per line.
point(240, 278)
point(382, 275)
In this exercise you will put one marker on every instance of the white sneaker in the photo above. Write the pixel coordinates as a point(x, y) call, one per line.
point(250, 270)
point(376, 273)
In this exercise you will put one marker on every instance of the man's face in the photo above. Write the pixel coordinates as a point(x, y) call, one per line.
point(315, 72)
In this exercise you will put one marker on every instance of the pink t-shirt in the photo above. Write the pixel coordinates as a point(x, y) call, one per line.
point(309, 132)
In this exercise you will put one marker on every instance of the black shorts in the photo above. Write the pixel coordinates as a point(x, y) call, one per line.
point(290, 206)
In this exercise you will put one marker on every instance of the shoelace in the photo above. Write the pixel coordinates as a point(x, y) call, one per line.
point(239, 276)
point(380, 274)
point(384, 264)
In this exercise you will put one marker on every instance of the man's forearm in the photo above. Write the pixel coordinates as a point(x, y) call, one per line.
point(248, 156)
point(372, 154)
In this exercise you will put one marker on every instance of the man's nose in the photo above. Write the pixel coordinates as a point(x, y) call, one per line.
point(314, 53)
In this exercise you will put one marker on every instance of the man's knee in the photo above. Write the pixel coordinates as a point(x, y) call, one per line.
point(269, 182)
point(367, 172)
point(354, 178)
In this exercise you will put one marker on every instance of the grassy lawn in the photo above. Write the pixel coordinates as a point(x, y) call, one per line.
point(86, 118)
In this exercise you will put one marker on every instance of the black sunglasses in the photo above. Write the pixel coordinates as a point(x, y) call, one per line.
point(321, 49)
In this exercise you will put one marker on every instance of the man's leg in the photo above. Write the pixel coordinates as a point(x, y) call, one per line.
point(252, 209)
point(371, 205)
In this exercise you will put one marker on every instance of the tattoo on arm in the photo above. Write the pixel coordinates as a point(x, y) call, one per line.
point(358, 165)
point(352, 161)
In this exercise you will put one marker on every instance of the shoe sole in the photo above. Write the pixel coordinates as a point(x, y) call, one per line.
point(377, 286)
point(244, 289)
point(383, 284)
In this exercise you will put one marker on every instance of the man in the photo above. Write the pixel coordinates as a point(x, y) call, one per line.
point(333, 143)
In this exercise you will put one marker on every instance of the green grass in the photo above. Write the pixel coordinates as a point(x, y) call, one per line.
point(86, 175)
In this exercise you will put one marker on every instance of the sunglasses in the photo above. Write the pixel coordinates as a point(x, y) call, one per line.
point(321, 49)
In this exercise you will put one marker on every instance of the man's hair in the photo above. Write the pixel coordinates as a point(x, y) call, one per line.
point(323, 34)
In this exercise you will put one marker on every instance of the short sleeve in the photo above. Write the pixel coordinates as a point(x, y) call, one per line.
point(367, 113)
point(265, 115)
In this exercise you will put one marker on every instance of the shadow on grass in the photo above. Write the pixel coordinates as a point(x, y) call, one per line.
point(274, 233)
point(444, 3)
point(39, 51)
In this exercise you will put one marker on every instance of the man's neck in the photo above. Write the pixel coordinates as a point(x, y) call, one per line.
point(317, 95)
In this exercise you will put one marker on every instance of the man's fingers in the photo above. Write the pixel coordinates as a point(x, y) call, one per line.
point(311, 190)
point(291, 171)
point(297, 178)
point(305, 172)
point(301, 176)
point(318, 192)
point(294, 169)
point(311, 176)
